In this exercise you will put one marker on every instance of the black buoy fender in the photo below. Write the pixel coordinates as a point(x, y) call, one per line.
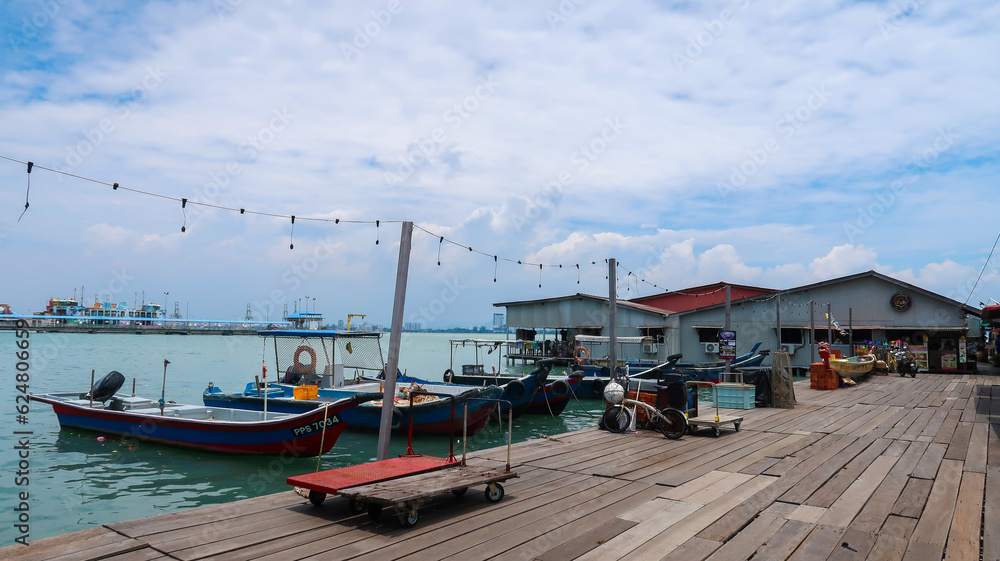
point(515, 389)
point(106, 387)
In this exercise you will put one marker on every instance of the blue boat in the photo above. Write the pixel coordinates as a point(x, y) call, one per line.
point(519, 392)
point(712, 371)
point(428, 415)
point(334, 364)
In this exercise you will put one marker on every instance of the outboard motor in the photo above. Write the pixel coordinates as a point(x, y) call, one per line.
point(106, 387)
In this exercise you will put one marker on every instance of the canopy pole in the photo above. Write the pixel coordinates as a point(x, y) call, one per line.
point(396, 330)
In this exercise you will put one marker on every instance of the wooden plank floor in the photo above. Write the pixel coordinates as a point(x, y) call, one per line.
point(895, 468)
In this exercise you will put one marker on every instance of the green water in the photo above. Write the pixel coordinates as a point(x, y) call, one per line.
point(76, 481)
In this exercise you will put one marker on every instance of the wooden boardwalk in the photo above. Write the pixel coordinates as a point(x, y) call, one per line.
point(896, 468)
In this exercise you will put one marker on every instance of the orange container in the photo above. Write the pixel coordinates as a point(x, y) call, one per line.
point(306, 392)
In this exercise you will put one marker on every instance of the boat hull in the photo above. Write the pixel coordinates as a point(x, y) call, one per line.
point(855, 367)
point(427, 418)
point(297, 435)
point(554, 397)
point(518, 391)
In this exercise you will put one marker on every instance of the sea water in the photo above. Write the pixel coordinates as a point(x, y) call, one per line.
point(75, 479)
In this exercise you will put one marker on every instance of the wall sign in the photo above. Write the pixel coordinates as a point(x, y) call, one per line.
point(900, 301)
point(727, 345)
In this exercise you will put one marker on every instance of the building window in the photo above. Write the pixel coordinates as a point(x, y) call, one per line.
point(708, 334)
point(791, 335)
point(655, 332)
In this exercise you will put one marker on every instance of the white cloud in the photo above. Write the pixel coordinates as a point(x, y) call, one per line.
point(813, 109)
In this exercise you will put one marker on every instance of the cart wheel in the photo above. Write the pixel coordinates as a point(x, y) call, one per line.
point(672, 424)
point(737, 425)
point(356, 506)
point(374, 511)
point(616, 419)
point(408, 518)
point(716, 432)
point(460, 491)
point(494, 492)
point(317, 497)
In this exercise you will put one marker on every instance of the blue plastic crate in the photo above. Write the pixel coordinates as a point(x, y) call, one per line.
point(736, 396)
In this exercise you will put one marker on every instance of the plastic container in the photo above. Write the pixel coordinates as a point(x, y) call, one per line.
point(306, 392)
point(736, 396)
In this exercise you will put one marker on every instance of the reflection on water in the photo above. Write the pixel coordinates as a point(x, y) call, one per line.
point(78, 481)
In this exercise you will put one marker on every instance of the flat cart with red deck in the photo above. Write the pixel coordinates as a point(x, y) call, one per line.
point(408, 481)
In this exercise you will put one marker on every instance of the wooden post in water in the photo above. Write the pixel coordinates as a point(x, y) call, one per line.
point(613, 315)
point(396, 330)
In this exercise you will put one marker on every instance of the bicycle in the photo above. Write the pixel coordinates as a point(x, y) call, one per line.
point(669, 421)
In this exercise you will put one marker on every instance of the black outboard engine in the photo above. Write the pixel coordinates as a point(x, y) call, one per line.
point(106, 387)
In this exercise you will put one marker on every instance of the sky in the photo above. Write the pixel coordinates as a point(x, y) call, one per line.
point(737, 141)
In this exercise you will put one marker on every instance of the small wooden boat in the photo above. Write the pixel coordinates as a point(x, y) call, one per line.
point(854, 367)
point(214, 429)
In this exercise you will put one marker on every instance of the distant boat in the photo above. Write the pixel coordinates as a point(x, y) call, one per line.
point(214, 429)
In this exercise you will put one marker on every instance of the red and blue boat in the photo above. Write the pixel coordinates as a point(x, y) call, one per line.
point(213, 429)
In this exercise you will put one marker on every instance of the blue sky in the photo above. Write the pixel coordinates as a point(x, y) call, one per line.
point(718, 141)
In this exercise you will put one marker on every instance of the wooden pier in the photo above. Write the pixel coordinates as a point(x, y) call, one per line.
point(895, 468)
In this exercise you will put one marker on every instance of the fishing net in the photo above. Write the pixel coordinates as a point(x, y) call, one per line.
point(293, 358)
point(782, 391)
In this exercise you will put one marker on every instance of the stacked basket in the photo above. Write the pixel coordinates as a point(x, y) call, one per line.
point(822, 377)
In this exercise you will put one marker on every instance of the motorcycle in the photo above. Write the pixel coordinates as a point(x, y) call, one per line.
point(905, 365)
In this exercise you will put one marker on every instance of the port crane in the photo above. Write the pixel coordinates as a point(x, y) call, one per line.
point(352, 316)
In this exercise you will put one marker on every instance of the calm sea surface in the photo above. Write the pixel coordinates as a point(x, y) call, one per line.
point(76, 482)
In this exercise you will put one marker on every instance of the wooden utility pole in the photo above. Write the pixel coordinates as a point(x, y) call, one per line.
point(812, 332)
point(396, 331)
point(829, 324)
point(729, 361)
point(612, 315)
point(777, 309)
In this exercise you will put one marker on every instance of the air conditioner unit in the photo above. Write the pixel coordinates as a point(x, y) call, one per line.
point(649, 348)
point(788, 348)
point(712, 348)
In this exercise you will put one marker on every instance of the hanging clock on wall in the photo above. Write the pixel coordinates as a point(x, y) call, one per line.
point(900, 301)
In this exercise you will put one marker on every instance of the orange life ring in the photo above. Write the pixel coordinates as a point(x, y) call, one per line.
point(301, 368)
point(576, 354)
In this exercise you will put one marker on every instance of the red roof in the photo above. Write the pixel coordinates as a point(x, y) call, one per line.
point(700, 296)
